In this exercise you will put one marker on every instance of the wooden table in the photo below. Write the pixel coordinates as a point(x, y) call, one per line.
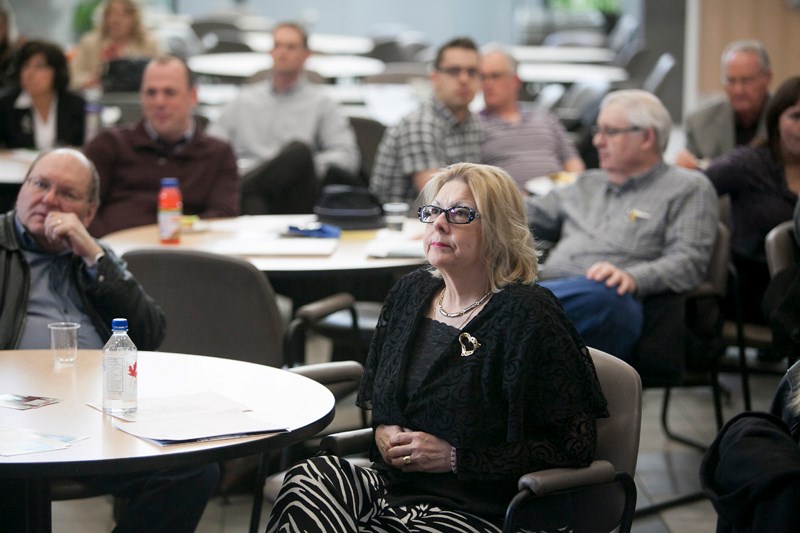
point(303, 278)
point(107, 450)
point(351, 253)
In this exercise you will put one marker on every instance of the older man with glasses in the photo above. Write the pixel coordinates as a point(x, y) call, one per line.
point(442, 131)
point(52, 270)
point(738, 117)
point(632, 228)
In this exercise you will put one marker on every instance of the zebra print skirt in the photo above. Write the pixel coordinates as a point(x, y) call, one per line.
point(328, 494)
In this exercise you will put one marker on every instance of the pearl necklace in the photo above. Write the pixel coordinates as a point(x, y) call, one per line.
point(467, 309)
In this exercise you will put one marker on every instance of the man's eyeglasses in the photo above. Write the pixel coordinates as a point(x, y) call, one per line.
point(455, 72)
point(744, 81)
point(43, 186)
point(458, 214)
point(611, 132)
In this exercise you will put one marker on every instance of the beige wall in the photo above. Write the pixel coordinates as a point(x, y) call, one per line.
point(773, 22)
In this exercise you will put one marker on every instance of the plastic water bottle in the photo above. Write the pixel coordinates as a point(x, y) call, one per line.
point(94, 112)
point(120, 375)
point(170, 210)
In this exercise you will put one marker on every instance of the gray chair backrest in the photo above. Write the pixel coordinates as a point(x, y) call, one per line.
point(781, 247)
point(214, 305)
point(618, 435)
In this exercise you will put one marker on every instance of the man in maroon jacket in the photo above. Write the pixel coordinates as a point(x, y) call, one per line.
point(166, 142)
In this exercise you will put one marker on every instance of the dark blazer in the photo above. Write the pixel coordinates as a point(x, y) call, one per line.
point(16, 125)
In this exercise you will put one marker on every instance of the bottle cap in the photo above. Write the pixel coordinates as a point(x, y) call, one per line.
point(169, 182)
point(119, 324)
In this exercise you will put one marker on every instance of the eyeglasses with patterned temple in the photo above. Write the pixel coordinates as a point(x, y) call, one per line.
point(455, 72)
point(611, 132)
point(458, 214)
point(43, 186)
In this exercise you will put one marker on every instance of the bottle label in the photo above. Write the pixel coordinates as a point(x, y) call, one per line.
point(113, 377)
point(169, 225)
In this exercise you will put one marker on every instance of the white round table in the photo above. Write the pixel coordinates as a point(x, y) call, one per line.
point(242, 65)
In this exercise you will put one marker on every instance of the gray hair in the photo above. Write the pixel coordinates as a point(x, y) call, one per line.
point(643, 110)
point(502, 50)
point(751, 46)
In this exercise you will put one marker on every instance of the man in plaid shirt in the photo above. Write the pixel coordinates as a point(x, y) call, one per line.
point(442, 131)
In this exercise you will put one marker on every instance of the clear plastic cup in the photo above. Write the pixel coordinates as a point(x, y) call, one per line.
point(64, 342)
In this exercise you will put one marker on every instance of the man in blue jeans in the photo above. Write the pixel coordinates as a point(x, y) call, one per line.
point(632, 228)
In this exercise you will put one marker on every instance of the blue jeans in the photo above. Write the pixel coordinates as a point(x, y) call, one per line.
point(605, 320)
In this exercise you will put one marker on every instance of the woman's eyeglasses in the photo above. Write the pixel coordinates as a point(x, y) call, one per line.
point(458, 214)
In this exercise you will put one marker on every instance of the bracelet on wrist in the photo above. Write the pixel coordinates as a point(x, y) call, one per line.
point(453, 461)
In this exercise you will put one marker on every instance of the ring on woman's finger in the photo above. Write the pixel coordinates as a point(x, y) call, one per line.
point(407, 460)
point(58, 222)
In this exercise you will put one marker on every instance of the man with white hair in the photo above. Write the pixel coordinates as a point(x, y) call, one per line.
point(738, 117)
point(632, 228)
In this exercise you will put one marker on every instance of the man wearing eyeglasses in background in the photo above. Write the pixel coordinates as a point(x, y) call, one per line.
point(632, 228)
point(524, 143)
point(52, 270)
point(736, 119)
point(442, 131)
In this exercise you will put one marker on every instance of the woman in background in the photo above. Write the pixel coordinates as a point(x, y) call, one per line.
point(38, 112)
point(763, 182)
point(121, 35)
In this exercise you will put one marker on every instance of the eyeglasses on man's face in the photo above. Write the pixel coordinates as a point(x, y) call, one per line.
point(611, 132)
point(459, 214)
point(455, 72)
point(43, 186)
point(743, 81)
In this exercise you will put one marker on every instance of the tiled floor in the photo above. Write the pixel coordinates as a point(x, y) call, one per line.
point(665, 469)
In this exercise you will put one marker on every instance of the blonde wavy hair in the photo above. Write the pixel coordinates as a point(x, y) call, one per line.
point(137, 31)
point(509, 254)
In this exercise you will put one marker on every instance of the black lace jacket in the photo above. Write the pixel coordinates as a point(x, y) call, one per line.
point(526, 400)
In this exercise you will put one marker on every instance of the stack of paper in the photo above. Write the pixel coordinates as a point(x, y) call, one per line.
point(194, 418)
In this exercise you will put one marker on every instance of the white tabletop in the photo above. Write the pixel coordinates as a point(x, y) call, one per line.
point(561, 54)
point(110, 450)
point(323, 43)
point(14, 165)
point(244, 64)
point(570, 73)
point(349, 254)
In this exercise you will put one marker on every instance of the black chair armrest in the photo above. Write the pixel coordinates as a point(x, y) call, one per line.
point(556, 479)
point(345, 443)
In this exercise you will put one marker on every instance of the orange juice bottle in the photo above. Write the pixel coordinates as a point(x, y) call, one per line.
point(170, 210)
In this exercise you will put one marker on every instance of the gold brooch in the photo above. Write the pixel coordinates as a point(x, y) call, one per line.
point(468, 344)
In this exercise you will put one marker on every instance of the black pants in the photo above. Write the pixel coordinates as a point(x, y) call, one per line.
point(286, 184)
point(165, 501)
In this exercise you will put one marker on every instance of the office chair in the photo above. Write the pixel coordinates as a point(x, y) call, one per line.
point(603, 495)
point(782, 253)
point(215, 305)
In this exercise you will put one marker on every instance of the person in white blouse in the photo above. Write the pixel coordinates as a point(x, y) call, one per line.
point(38, 112)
